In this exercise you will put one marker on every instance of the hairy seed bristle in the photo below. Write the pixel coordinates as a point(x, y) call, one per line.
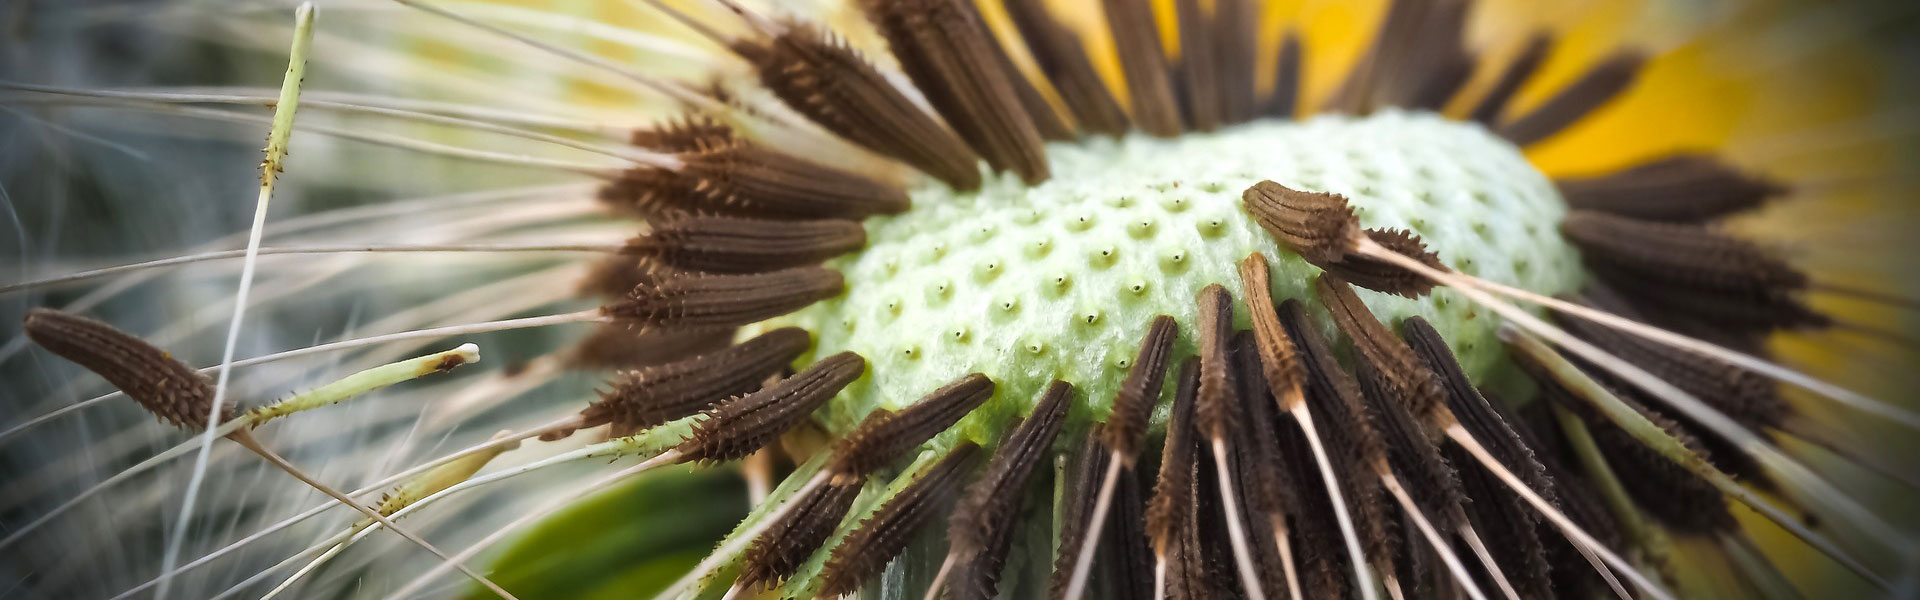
point(1494, 101)
point(716, 244)
point(1127, 424)
point(735, 428)
point(981, 530)
point(1408, 380)
point(166, 387)
point(1064, 61)
point(868, 548)
point(884, 436)
point(1320, 227)
point(780, 551)
point(1599, 85)
point(945, 48)
point(1171, 497)
point(1681, 188)
point(649, 396)
point(1143, 61)
point(1215, 408)
point(697, 301)
point(819, 76)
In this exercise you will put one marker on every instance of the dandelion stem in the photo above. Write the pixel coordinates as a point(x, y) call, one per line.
point(270, 169)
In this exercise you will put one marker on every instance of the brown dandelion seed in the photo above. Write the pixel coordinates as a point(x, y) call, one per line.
point(696, 301)
point(884, 436)
point(1143, 62)
point(1516, 73)
point(1172, 490)
point(1280, 366)
point(166, 387)
point(1236, 38)
point(1214, 406)
point(649, 396)
point(741, 426)
point(1197, 74)
point(780, 550)
point(819, 76)
point(1127, 424)
point(1320, 227)
point(945, 48)
point(1686, 256)
point(717, 244)
point(1599, 85)
point(1351, 436)
point(1381, 276)
point(869, 547)
point(1407, 380)
point(1682, 188)
point(1411, 452)
point(1064, 61)
point(726, 174)
point(1284, 101)
point(980, 532)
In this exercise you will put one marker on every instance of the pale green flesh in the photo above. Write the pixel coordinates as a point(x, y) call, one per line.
point(1059, 281)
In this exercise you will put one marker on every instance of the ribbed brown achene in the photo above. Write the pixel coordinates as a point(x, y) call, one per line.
point(780, 551)
point(1408, 380)
point(1603, 82)
point(649, 396)
point(981, 531)
point(736, 428)
point(1411, 452)
point(1380, 276)
point(1178, 455)
point(689, 301)
point(1320, 227)
point(717, 244)
point(1678, 188)
point(168, 388)
point(945, 48)
point(1215, 408)
point(1351, 436)
point(1064, 61)
point(724, 173)
point(1127, 424)
point(1494, 101)
point(1687, 256)
point(819, 76)
point(884, 436)
point(879, 538)
point(1280, 367)
point(1143, 61)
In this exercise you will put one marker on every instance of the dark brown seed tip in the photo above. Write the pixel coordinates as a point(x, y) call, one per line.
point(868, 549)
point(1131, 406)
point(164, 386)
point(1319, 227)
point(1381, 276)
point(884, 436)
point(736, 428)
point(700, 301)
point(1214, 408)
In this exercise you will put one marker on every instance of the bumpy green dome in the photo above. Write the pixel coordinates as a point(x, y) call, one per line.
point(1029, 284)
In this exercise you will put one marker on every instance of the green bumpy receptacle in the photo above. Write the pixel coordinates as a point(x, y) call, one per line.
point(1058, 281)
